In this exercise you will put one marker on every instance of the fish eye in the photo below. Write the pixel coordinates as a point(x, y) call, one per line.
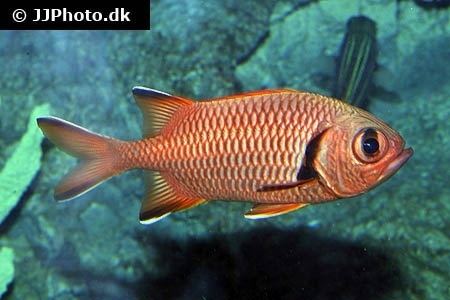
point(369, 145)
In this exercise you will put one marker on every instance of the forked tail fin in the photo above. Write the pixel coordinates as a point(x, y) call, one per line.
point(98, 154)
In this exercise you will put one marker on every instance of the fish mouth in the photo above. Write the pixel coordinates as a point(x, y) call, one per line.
point(396, 164)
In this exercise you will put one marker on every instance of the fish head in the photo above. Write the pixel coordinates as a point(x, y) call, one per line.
point(357, 153)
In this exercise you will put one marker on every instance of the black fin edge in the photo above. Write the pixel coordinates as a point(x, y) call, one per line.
point(147, 92)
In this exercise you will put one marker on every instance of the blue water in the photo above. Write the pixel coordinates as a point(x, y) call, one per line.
point(391, 243)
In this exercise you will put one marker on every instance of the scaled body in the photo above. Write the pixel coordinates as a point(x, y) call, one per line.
point(281, 149)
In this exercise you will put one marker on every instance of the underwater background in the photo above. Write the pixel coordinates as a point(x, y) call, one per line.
point(391, 243)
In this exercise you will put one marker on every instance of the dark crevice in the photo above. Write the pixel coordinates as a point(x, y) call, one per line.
point(300, 4)
point(16, 211)
point(264, 36)
point(246, 56)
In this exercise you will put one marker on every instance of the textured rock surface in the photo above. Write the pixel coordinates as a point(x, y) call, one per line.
point(392, 243)
point(7, 275)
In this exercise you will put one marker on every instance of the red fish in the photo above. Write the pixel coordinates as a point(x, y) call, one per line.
point(280, 149)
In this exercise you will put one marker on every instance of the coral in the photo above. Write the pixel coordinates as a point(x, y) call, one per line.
point(6, 261)
point(15, 177)
point(21, 167)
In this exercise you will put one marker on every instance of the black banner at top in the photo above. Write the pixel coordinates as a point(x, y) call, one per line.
point(81, 14)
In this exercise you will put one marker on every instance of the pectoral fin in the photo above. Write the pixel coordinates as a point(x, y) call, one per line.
point(306, 176)
point(262, 210)
point(282, 186)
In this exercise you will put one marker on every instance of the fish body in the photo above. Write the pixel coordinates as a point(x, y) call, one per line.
point(356, 62)
point(280, 149)
point(229, 148)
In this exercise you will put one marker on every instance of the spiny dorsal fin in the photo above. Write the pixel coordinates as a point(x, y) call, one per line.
point(263, 210)
point(157, 108)
point(253, 93)
point(161, 200)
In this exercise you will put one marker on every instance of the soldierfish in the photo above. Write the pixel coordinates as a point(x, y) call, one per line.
point(356, 62)
point(280, 149)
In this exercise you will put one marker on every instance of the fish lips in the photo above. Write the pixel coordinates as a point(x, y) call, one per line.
point(396, 164)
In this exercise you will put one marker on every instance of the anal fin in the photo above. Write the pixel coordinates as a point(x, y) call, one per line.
point(161, 200)
point(263, 210)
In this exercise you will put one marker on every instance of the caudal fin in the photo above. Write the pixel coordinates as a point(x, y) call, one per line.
point(98, 154)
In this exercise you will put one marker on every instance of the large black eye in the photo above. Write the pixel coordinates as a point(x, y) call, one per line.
point(370, 146)
point(370, 143)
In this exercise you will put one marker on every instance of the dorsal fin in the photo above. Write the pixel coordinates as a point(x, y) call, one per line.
point(264, 210)
point(161, 200)
point(253, 93)
point(157, 108)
